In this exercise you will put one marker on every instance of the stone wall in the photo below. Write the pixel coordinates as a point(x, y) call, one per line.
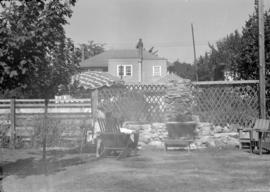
point(150, 134)
point(207, 135)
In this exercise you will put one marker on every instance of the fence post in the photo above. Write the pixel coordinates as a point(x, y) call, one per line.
point(94, 103)
point(45, 130)
point(94, 106)
point(13, 122)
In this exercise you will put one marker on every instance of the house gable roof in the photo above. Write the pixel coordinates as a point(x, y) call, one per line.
point(169, 78)
point(101, 60)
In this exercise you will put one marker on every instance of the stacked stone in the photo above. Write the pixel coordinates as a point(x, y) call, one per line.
point(158, 131)
point(215, 136)
point(152, 134)
point(208, 135)
point(204, 129)
point(179, 100)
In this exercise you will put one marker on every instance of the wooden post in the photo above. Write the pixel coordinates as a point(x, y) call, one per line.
point(94, 104)
point(262, 59)
point(44, 130)
point(13, 122)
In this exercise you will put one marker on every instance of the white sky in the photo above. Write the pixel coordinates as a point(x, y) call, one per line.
point(164, 24)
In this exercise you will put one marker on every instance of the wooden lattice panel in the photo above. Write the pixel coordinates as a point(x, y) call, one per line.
point(227, 104)
point(134, 102)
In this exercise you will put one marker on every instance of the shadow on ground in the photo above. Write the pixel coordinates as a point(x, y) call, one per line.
point(57, 160)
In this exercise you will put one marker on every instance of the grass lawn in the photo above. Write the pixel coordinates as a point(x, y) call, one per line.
point(210, 170)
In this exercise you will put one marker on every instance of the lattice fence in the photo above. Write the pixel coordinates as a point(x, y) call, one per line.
point(135, 102)
point(227, 103)
point(216, 102)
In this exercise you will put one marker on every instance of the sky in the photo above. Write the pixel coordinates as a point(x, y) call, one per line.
point(164, 24)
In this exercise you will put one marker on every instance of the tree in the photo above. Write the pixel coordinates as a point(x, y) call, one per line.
point(34, 50)
point(222, 57)
point(32, 38)
point(203, 67)
point(229, 50)
point(90, 49)
point(249, 58)
point(184, 70)
point(237, 54)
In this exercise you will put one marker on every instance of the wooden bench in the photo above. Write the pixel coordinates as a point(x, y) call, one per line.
point(179, 143)
point(180, 135)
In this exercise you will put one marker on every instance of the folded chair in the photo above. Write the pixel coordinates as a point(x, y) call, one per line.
point(112, 141)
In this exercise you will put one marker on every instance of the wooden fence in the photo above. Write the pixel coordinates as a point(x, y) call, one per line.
point(37, 106)
point(67, 118)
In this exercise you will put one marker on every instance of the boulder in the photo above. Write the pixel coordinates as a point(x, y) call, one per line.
point(203, 129)
point(227, 141)
point(218, 129)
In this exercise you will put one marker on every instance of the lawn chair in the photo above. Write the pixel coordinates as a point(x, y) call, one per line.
point(112, 141)
point(251, 136)
point(262, 135)
point(244, 137)
point(260, 125)
point(264, 140)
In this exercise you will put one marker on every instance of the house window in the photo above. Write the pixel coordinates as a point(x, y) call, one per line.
point(120, 70)
point(156, 70)
point(128, 70)
point(124, 70)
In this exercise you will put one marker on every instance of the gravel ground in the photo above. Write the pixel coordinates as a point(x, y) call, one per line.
point(211, 170)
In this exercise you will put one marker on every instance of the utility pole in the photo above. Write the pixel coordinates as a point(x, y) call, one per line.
point(262, 59)
point(194, 52)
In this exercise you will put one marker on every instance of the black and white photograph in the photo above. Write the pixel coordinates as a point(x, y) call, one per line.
point(134, 95)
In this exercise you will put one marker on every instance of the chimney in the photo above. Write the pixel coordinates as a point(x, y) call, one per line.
point(140, 49)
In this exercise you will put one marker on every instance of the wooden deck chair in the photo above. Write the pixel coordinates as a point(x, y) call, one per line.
point(249, 136)
point(262, 130)
point(264, 141)
point(111, 139)
point(260, 125)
